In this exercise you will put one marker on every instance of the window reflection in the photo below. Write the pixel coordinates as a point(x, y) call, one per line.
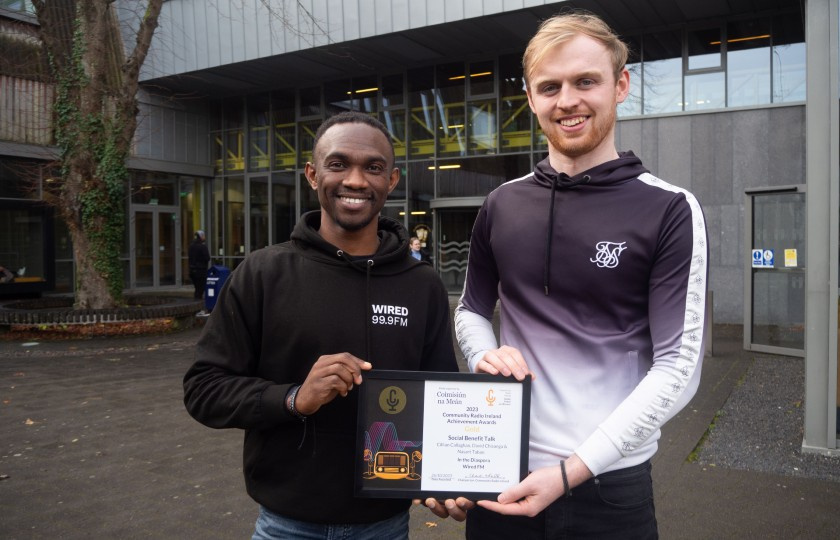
point(514, 113)
point(482, 126)
point(632, 105)
point(153, 188)
point(421, 124)
point(259, 123)
point(482, 78)
point(283, 205)
point(451, 115)
point(748, 62)
point(788, 60)
point(258, 213)
point(662, 73)
point(789, 73)
point(704, 48)
point(394, 122)
point(285, 136)
point(704, 91)
point(234, 215)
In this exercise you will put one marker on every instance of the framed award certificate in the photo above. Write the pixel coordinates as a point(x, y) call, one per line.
point(443, 435)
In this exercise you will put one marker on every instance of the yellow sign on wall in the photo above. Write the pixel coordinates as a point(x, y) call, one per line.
point(790, 258)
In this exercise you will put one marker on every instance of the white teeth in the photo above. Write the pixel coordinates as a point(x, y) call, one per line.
point(572, 121)
point(352, 201)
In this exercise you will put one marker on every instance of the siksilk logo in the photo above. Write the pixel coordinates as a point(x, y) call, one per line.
point(607, 253)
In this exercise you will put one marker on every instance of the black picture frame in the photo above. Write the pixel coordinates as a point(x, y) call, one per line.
point(380, 426)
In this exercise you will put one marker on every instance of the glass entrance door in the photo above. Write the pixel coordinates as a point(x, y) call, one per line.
point(774, 298)
point(453, 245)
point(155, 241)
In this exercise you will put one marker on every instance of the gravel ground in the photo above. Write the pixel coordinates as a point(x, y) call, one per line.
point(760, 428)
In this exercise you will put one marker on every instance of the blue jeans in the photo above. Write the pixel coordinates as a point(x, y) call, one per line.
point(615, 505)
point(271, 526)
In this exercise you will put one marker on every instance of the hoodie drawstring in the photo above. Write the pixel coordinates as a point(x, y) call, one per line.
point(550, 235)
point(368, 309)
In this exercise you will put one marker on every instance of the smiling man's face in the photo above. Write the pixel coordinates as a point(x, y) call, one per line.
point(353, 172)
point(574, 92)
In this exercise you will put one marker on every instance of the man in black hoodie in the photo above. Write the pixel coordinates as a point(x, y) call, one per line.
point(295, 326)
point(198, 258)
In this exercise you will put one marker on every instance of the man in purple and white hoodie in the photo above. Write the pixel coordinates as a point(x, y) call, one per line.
point(601, 270)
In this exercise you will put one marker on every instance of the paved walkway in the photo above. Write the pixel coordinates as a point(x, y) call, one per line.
point(96, 444)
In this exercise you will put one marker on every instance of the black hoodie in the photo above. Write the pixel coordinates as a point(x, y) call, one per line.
point(280, 310)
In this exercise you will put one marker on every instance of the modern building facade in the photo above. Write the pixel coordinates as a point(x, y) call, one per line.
point(736, 101)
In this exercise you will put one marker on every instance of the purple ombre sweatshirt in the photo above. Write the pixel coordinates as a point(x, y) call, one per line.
point(603, 290)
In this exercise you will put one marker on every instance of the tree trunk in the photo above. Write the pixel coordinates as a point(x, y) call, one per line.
point(95, 120)
point(91, 288)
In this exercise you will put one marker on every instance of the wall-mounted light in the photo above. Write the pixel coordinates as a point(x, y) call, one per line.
point(736, 40)
point(459, 77)
point(443, 167)
point(362, 91)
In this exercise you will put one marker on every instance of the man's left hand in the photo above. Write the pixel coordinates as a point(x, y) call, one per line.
point(539, 489)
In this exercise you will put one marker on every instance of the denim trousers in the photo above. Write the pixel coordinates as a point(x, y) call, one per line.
point(271, 526)
point(614, 505)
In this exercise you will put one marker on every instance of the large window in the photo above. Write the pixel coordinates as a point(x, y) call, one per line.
point(662, 73)
point(788, 61)
point(259, 133)
point(451, 112)
point(515, 115)
point(23, 243)
point(632, 105)
point(18, 5)
point(461, 128)
point(283, 205)
point(421, 113)
point(258, 213)
point(746, 63)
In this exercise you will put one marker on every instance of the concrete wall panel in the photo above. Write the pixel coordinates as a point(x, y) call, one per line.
point(674, 151)
point(786, 138)
point(731, 236)
point(750, 164)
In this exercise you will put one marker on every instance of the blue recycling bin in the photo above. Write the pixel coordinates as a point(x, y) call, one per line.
point(216, 277)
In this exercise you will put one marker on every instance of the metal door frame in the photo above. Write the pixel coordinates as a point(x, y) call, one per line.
point(749, 195)
point(155, 210)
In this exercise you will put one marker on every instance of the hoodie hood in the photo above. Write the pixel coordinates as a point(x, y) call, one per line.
point(391, 257)
point(623, 169)
point(626, 167)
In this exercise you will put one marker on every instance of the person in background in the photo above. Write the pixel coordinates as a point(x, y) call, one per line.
point(296, 326)
point(417, 250)
point(602, 290)
point(198, 257)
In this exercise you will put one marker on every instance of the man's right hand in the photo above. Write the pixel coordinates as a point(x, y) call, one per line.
point(331, 376)
point(506, 361)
